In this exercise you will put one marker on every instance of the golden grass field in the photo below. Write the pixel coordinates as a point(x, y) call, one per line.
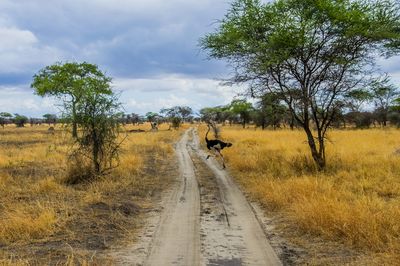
point(355, 202)
point(43, 220)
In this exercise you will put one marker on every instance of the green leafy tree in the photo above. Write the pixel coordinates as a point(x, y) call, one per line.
point(394, 115)
point(310, 52)
point(134, 118)
point(396, 105)
point(97, 115)
point(217, 114)
point(20, 120)
point(69, 82)
point(270, 111)
point(356, 98)
point(177, 114)
point(5, 118)
point(185, 112)
point(50, 118)
point(151, 117)
point(243, 109)
point(384, 95)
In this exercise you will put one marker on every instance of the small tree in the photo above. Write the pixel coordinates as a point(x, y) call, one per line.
point(97, 115)
point(185, 112)
point(50, 119)
point(20, 120)
point(5, 118)
point(384, 94)
point(151, 117)
point(177, 114)
point(68, 82)
point(218, 114)
point(134, 118)
point(357, 98)
point(270, 111)
point(243, 109)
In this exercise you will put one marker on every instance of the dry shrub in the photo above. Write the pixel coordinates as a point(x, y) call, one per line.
point(79, 170)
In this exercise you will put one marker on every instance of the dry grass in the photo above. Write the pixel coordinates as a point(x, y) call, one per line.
point(43, 220)
point(356, 201)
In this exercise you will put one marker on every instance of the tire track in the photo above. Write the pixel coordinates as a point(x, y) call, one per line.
point(177, 240)
point(242, 241)
point(205, 220)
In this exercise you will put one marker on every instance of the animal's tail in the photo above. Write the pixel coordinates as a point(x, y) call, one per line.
point(207, 132)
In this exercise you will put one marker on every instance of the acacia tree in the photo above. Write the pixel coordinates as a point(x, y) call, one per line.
point(218, 114)
point(384, 94)
point(98, 114)
point(5, 118)
point(151, 117)
point(357, 98)
point(243, 109)
point(185, 112)
point(177, 114)
point(270, 110)
point(50, 119)
point(68, 82)
point(20, 120)
point(310, 52)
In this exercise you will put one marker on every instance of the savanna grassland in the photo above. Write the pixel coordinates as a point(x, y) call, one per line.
point(353, 206)
point(43, 220)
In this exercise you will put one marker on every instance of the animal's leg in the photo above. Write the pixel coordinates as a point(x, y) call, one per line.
point(223, 160)
point(219, 154)
point(209, 155)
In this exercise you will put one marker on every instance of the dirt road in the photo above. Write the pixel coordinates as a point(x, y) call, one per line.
point(206, 220)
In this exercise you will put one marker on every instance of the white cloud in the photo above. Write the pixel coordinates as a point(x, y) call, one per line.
point(143, 95)
point(20, 50)
point(15, 39)
point(177, 83)
point(18, 99)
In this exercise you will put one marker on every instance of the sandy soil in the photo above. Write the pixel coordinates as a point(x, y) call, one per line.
point(205, 219)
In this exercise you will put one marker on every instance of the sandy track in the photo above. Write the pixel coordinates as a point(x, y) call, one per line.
point(240, 240)
point(177, 241)
point(206, 220)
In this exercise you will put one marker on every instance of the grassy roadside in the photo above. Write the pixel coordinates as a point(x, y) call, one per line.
point(352, 208)
point(44, 221)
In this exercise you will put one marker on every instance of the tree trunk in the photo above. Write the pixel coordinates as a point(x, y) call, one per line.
point(318, 156)
point(291, 123)
point(95, 151)
point(74, 125)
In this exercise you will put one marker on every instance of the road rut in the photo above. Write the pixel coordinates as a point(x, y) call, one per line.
point(206, 220)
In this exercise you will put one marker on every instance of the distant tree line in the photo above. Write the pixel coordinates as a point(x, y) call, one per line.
point(175, 116)
point(375, 106)
point(21, 120)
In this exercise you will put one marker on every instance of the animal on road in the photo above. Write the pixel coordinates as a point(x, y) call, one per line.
point(217, 146)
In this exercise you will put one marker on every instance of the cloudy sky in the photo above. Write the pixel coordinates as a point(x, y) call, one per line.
point(150, 48)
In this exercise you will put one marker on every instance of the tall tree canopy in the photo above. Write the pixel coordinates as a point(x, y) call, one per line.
point(310, 52)
point(242, 109)
point(69, 82)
